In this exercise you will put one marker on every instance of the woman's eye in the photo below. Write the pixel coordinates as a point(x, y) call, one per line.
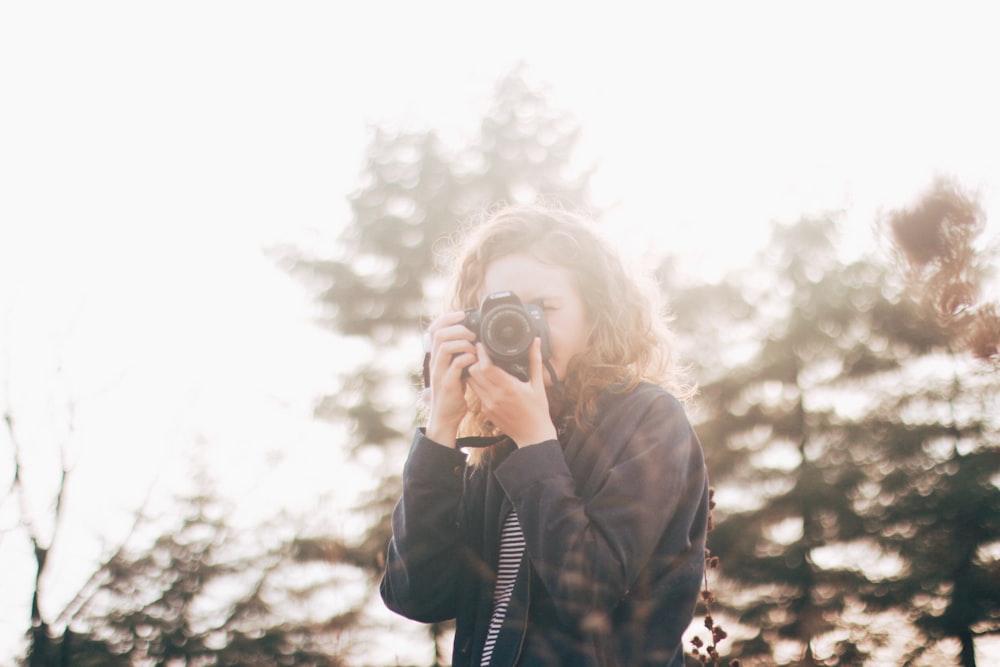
point(545, 306)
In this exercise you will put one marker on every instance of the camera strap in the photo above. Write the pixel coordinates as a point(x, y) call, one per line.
point(478, 441)
point(556, 382)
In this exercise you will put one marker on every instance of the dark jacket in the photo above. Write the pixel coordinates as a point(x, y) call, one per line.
point(614, 523)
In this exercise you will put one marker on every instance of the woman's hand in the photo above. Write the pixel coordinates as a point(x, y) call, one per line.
point(519, 409)
point(452, 350)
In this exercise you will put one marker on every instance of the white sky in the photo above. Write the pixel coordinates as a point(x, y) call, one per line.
point(150, 152)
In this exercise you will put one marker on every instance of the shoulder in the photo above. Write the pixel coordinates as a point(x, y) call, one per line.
point(642, 435)
point(638, 401)
point(643, 417)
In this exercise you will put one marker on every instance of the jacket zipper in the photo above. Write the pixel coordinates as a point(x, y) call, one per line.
point(524, 627)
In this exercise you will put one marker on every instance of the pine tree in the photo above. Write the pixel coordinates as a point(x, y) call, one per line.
point(824, 436)
point(938, 503)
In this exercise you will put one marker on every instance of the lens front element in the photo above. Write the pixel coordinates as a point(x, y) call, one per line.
point(507, 332)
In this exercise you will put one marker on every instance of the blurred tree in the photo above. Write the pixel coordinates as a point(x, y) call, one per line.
point(416, 192)
point(938, 503)
point(201, 594)
point(937, 246)
point(41, 527)
point(205, 594)
point(825, 439)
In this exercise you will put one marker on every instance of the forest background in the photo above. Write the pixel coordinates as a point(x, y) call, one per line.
point(219, 228)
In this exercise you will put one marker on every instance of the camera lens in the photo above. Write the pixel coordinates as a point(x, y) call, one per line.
point(507, 332)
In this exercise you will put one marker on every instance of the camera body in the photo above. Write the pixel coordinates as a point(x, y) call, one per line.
point(507, 329)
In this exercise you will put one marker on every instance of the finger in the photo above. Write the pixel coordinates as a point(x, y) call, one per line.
point(446, 355)
point(476, 382)
point(489, 372)
point(447, 349)
point(459, 363)
point(485, 360)
point(483, 374)
point(450, 341)
point(446, 320)
point(449, 333)
point(441, 322)
point(535, 370)
point(483, 389)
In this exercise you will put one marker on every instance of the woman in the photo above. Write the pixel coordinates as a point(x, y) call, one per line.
point(577, 535)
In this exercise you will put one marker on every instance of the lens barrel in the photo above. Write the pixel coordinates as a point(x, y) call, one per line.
point(507, 332)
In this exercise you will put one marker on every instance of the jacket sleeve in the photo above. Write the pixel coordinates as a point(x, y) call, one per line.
point(590, 539)
point(424, 564)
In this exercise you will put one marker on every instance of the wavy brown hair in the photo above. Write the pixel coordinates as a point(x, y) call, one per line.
point(628, 341)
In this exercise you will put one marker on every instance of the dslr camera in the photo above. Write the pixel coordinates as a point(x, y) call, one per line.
point(507, 328)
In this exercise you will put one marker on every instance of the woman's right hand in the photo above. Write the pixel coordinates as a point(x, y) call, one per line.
point(452, 350)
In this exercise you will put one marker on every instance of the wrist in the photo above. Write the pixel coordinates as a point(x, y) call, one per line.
point(536, 437)
point(443, 433)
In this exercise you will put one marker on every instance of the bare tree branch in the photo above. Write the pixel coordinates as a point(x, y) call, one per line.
point(65, 469)
point(17, 483)
point(100, 576)
point(14, 480)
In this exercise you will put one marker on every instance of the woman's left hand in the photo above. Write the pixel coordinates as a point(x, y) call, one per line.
point(519, 409)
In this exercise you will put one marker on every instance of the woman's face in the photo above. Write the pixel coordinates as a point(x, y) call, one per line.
point(554, 288)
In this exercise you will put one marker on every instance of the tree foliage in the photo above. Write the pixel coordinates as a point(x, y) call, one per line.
point(936, 240)
point(842, 432)
point(206, 594)
point(415, 192)
point(201, 593)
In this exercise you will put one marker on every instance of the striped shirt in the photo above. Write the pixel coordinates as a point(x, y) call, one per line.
point(511, 551)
